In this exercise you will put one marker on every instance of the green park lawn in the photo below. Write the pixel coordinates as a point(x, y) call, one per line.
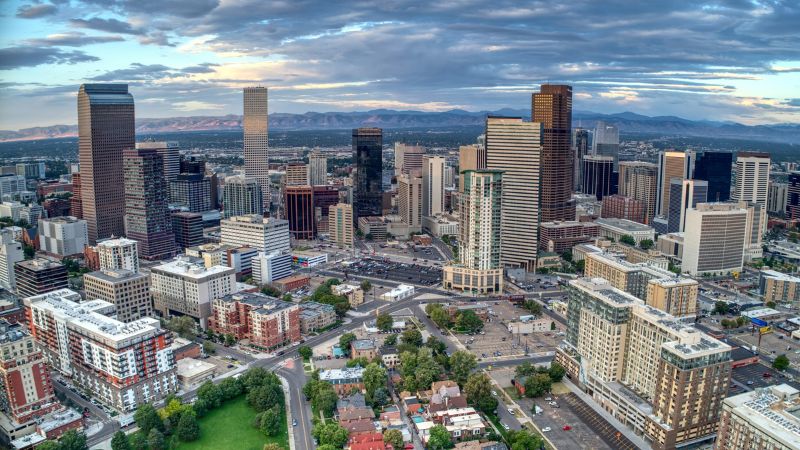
point(229, 427)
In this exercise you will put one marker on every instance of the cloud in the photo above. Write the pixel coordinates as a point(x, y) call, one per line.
point(200, 68)
point(36, 11)
point(195, 105)
point(793, 102)
point(108, 25)
point(73, 39)
point(137, 72)
point(18, 57)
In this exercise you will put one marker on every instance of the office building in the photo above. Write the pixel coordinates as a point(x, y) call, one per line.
point(317, 168)
point(184, 286)
point(513, 147)
point(75, 202)
point(265, 322)
point(324, 197)
point(621, 207)
point(755, 226)
point(147, 218)
point(616, 228)
point(191, 191)
point(778, 194)
point(432, 185)
point(62, 236)
point(37, 276)
point(598, 177)
point(793, 197)
point(408, 159)
point(120, 253)
point(624, 275)
point(56, 207)
point(752, 177)
point(580, 148)
point(105, 128)
point(241, 196)
point(255, 124)
point(765, 418)
point(606, 141)
point(188, 229)
point(265, 234)
point(671, 164)
point(664, 379)
point(31, 213)
point(315, 317)
point(368, 175)
point(10, 185)
point(296, 174)
point(270, 267)
point(340, 224)
point(714, 240)
point(11, 252)
point(779, 288)
point(552, 108)
point(128, 291)
point(409, 201)
point(559, 237)
point(32, 170)
point(298, 207)
point(480, 218)
point(684, 194)
point(470, 157)
point(123, 365)
point(715, 168)
point(170, 156)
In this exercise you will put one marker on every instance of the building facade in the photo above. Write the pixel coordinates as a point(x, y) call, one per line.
point(340, 224)
point(779, 288)
point(270, 267)
point(715, 169)
point(777, 197)
point(752, 177)
point(714, 241)
point(684, 194)
point(409, 200)
point(11, 252)
point(265, 322)
point(264, 234)
point(432, 185)
point(559, 237)
point(671, 164)
point(765, 419)
point(368, 176)
point(552, 108)
point(298, 207)
point(37, 276)
point(120, 253)
point(188, 229)
point(255, 124)
point(620, 207)
point(598, 177)
point(128, 291)
point(317, 168)
point(241, 196)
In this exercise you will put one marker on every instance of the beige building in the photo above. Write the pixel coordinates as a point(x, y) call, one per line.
point(340, 224)
point(128, 291)
point(296, 174)
point(409, 201)
point(470, 157)
point(317, 168)
point(671, 164)
point(120, 253)
point(676, 296)
point(408, 159)
point(779, 288)
point(255, 124)
point(762, 419)
point(714, 241)
point(265, 234)
point(623, 275)
point(354, 294)
point(514, 147)
point(639, 180)
point(432, 185)
point(752, 178)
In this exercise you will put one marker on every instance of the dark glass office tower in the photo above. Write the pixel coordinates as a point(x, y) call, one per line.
point(367, 183)
point(793, 197)
point(684, 194)
point(715, 167)
point(552, 107)
point(598, 177)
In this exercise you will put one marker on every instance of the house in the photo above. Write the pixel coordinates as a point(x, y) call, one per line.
point(519, 384)
point(344, 380)
point(367, 441)
point(445, 395)
point(390, 357)
point(350, 402)
point(411, 405)
point(363, 348)
point(391, 415)
point(357, 427)
point(350, 415)
point(461, 423)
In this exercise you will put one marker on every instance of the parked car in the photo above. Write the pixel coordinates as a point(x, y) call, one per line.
point(567, 428)
point(546, 429)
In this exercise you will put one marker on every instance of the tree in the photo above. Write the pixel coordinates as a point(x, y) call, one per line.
point(344, 342)
point(120, 441)
point(173, 411)
point(305, 351)
point(394, 438)
point(374, 378)
point(534, 307)
point(439, 438)
point(358, 362)
point(646, 244)
point(209, 348)
point(272, 291)
point(567, 256)
point(525, 369)
point(29, 251)
point(552, 326)
point(627, 239)
point(380, 397)
point(366, 285)
point(230, 388)
point(188, 430)
point(479, 391)
point(770, 305)
point(720, 307)
point(781, 363)
point(211, 393)
point(330, 433)
point(469, 322)
point(271, 421)
point(556, 372)
point(390, 340)
point(537, 384)
point(147, 418)
point(185, 326)
point(155, 439)
point(264, 397)
point(523, 440)
point(437, 347)
point(324, 399)
point(47, 445)
point(441, 318)
point(412, 337)
point(461, 365)
point(138, 441)
point(72, 440)
point(580, 265)
point(287, 297)
point(230, 340)
point(384, 322)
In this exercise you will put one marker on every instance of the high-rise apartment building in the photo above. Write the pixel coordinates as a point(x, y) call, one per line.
point(265, 234)
point(298, 205)
point(340, 224)
point(715, 168)
point(128, 291)
point(105, 128)
point(777, 197)
point(755, 226)
point(598, 176)
point(296, 174)
point(188, 229)
point(123, 365)
point(513, 147)
point(409, 201)
point(714, 241)
point(184, 286)
point(368, 176)
point(684, 194)
point(147, 217)
point(470, 157)
point(580, 148)
point(765, 419)
point(32, 170)
point(37, 276)
point(552, 108)
point(480, 269)
point(793, 197)
point(408, 159)
point(432, 185)
point(255, 124)
point(674, 295)
point(671, 164)
point(778, 287)
point(639, 180)
point(621, 207)
point(752, 177)
point(120, 253)
point(11, 252)
point(606, 141)
point(241, 196)
point(317, 168)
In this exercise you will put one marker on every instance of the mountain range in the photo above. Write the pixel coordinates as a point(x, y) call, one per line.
point(627, 122)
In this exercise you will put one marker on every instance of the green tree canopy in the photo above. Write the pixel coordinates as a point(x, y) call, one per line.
point(344, 342)
point(412, 337)
point(394, 438)
point(556, 372)
point(374, 378)
point(384, 322)
point(462, 363)
point(646, 244)
point(439, 438)
point(147, 418)
point(479, 391)
point(469, 322)
point(537, 384)
point(120, 441)
point(188, 430)
point(627, 239)
point(330, 433)
point(305, 351)
point(781, 363)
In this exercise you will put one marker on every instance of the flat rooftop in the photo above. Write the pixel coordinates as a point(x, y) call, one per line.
point(624, 224)
point(191, 268)
point(775, 411)
point(780, 276)
point(116, 275)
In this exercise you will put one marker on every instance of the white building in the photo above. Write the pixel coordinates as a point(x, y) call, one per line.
point(185, 286)
point(441, 225)
point(752, 177)
point(616, 228)
point(11, 252)
point(11, 184)
point(432, 185)
point(777, 198)
point(269, 267)
point(308, 259)
point(120, 253)
point(409, 201)
point(266, 234)
point(31, 213)
point(63, 236)
point(317, 169)
point(401, 292)
point(11, 209)
point(714, 241)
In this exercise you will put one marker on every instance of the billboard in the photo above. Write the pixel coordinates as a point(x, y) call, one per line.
point(758, 322)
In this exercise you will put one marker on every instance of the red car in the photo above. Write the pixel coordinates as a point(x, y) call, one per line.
point(567, 427)
point(767, 375)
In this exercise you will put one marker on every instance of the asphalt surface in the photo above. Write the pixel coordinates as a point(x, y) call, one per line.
point(300, 409)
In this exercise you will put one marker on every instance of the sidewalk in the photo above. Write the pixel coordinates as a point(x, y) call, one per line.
point(286, 396)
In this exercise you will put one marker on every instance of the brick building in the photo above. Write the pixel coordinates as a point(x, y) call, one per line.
point(621, 207)
point(265, 321)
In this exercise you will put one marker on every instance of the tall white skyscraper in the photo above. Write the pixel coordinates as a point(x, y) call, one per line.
point(317, 169)
point(241, 196)
point(752, 177)
point(256, 139)
point(715, 238)
point(432, 185)
point(10, 253)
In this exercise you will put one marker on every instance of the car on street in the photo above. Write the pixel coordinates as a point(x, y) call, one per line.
point(546, 429)
point(505, 425)
point(511, 411)
point(567, 428)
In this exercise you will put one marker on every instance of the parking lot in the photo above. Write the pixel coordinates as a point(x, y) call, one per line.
point(394, 271)
point(759, 375)
point(418, 252)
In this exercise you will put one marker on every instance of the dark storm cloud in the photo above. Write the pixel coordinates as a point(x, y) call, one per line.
point(108, 25)
point(36, 11)
point(28, 56)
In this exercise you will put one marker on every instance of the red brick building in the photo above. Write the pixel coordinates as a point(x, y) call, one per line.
point(560, 236)
point(621, 207)
point(265, 321)
point(53, 187)
point(293, 282)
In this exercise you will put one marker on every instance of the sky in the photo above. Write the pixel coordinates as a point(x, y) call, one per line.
point(728, 60)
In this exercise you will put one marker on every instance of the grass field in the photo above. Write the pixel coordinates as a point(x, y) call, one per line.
point(229, 428)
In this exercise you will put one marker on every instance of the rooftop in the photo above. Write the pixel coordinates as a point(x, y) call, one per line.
point(11, 332)
point(39, 264)
point(363, 344)
point(779, 276)
point(116, 275)
point(600, 288)
point(191, 268)
point(773, 410)
point(63, 220)
point(341, 374)
point(261, 303)
point(624, 224)
point(116, 242)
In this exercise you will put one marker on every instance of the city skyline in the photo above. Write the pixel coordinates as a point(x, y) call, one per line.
point(718, 61)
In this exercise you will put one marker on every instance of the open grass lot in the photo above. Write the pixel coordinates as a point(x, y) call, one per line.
point(229, 427)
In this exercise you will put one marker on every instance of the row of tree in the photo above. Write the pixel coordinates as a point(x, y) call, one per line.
point(539, 380)
point(466, 321)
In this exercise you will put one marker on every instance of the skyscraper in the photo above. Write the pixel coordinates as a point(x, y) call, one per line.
point(580, 148)
point(793, 197)
point(299, 211)
point(170, 154)
point(367, 182)
point(340, 224)
point(606, 141)
point(105, 128)
point(256, 139)
point(118, 254)
point(777, 198)
point(752, 177)
point(241, 196)
point(317, 169)
point(639, 180)
point(470, 157)
point(715, 238)
point(147, 218)
point(671, 164)
point(409, 200)
point(552, 107)
point(10, 253)
point(407, 158)
point(513, 147)
point(296, 174)
point(432, 185)
point(715, 168)
point(684, 194)
point(598, 176)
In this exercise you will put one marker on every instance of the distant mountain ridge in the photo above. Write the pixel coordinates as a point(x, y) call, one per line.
point(627, 122)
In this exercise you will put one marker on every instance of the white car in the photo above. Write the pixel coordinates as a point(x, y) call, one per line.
point(546, 429)
point(511, 410)
point(506, 427)
point(548, 399)
point(494, 393)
